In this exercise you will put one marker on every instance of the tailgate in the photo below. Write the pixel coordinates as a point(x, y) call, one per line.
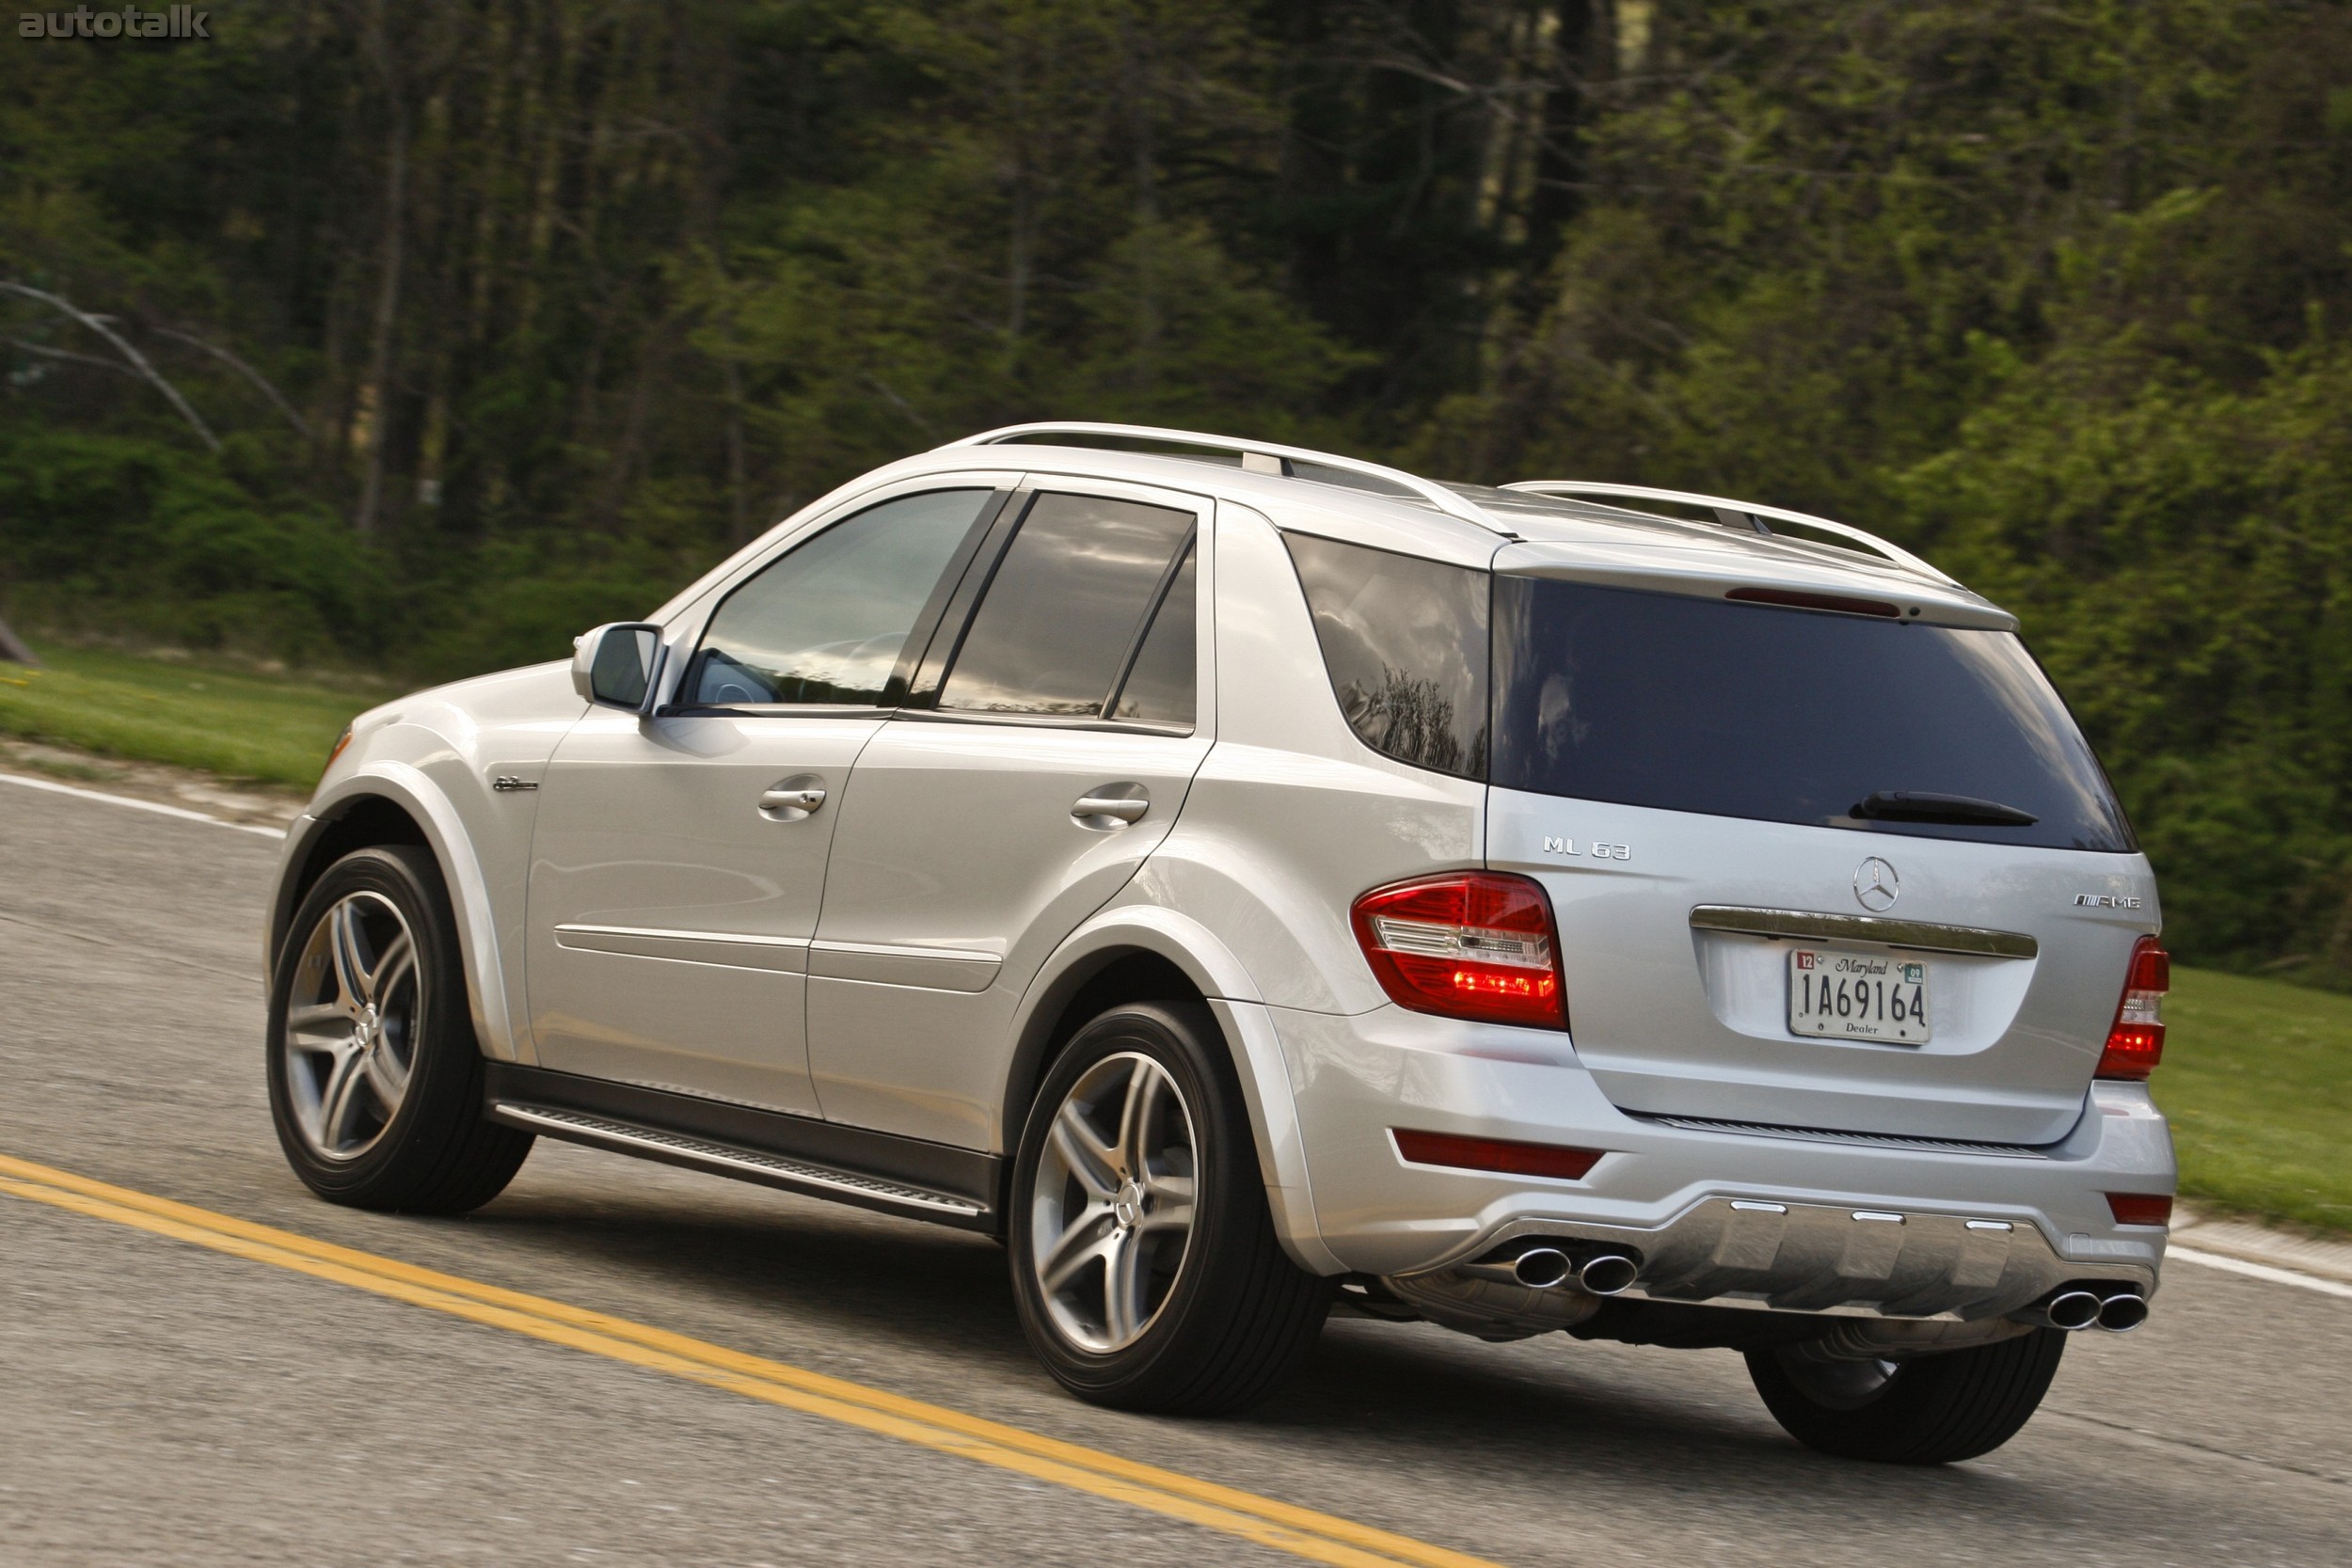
point(1682, 1019)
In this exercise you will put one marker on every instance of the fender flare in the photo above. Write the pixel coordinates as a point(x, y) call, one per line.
point(1231, 996)
point(428, 805)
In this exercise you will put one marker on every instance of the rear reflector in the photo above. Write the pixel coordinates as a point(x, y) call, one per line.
point(2141, 1207)
point(1503, 1154)
point(1473, 944)
point(2135, 1039)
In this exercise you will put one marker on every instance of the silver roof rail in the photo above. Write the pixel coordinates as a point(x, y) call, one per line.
point(1733, 513)
point(1269, 458)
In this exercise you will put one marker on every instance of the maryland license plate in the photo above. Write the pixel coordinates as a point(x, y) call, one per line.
point(1858, 996)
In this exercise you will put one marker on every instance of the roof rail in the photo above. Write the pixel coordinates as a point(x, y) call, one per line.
point(1736, 513)
point(1264, 458)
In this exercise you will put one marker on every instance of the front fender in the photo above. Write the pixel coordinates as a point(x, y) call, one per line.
point(415, 792)
point(1221, 978)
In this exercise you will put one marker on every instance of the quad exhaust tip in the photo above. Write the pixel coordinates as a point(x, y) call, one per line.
point(1607, 1274)
point(1543, 1268)
point(2120, 1314)
point(2071, 1310)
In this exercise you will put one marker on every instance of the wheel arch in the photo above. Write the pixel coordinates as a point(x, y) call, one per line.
point(392, 802)
point(1142, 953)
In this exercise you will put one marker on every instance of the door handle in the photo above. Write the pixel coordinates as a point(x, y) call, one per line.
point(792, 799)
point(1108, 811)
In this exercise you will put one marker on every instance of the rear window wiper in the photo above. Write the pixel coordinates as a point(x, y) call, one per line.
point(1911, 805)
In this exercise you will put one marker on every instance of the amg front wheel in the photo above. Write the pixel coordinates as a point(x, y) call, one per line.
point(376, 1076)
point(1144, 1258)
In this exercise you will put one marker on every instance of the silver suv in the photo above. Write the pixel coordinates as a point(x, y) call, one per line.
point(1255, 883)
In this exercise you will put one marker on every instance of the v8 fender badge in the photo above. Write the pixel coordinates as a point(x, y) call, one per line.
point(2105, 901)
point(1594, 848)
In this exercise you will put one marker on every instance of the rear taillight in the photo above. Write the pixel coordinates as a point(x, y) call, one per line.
point(2135, 1039)
point(1474, 945)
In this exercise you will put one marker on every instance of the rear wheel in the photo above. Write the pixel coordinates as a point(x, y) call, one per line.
point(1144, 1258)
point(375, 1075)
point(1927, 1410)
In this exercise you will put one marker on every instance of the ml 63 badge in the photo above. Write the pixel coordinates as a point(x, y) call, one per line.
point(1857, 996)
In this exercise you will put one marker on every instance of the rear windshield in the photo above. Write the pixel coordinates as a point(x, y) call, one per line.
point(1784, 715)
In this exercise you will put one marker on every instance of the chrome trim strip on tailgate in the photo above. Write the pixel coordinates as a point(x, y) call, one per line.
point(1860, 1140)
point(1917, 934)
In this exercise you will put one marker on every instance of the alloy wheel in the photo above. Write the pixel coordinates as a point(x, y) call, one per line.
point(352, 1022)
point(1112, 1204)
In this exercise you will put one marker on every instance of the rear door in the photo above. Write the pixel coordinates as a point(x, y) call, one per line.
point(1739, 808)
point(1036, 762)
point(678, 860)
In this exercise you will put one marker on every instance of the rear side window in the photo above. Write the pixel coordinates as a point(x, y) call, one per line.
point(1062, 614)
point(1405, 643)
point(1785, 716)
point(1161, 683)
point(826, 622)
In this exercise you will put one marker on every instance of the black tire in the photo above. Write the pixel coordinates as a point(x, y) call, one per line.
point(433, 1153)
point(1929, 1410)
point(1238, 1316)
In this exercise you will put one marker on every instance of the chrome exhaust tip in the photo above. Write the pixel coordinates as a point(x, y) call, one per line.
point(1607, 1274)
point(2123, 1313)
point(1542, 1267)
point(2071, 1310)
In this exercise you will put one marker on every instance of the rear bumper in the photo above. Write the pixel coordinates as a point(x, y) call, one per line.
point(1667, 1191)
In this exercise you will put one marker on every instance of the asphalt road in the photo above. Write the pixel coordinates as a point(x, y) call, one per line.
point(161, 1402)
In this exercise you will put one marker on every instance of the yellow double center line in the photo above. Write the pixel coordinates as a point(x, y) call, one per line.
point(1319, 1537)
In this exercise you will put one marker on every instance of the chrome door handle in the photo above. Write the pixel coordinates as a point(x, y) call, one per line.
point(791, 800)
point(1120, 809)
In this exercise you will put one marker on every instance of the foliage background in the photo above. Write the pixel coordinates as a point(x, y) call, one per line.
point(503, 316)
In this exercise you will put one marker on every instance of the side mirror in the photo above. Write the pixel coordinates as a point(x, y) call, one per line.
point(613, 665)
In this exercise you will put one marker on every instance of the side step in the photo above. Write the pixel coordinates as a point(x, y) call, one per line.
point(745, 1165)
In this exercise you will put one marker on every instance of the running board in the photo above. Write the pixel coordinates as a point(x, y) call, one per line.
point(724, 1139)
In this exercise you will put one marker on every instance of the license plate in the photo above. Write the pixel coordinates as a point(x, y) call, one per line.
point(1857, 996)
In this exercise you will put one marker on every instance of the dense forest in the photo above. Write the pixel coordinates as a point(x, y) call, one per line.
point(423, 333)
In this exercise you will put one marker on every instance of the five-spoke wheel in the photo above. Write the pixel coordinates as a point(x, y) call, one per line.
point(351, 1031)
point(1144, 1256)
point(1112, 1203)
point(375, 1075)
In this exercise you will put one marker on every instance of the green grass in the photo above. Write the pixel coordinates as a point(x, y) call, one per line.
point(273, 728)
point(2257, 1078)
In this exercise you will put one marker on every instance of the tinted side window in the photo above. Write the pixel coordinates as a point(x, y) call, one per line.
point(1161, 686)
point(1405, 643)
point(826, 622)
point(1064, 606)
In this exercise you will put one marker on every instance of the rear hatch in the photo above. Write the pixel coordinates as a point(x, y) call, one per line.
point(1834, 866)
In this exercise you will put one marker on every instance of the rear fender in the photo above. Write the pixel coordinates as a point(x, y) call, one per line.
point(1257, 1053)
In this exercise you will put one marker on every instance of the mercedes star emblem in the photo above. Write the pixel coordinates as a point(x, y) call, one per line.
point(1876, 885)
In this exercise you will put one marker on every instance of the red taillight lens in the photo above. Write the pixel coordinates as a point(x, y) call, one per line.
point(1476, 944)
point(1503, 1154)
point(2135, 1039)
point(2141, 1207)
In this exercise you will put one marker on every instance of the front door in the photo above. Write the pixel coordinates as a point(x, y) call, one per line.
point(678, 860)
point(1022, 785)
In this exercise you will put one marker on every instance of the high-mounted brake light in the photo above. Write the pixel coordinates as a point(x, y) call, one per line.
point(1474, 945)
point(2135, 1039)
